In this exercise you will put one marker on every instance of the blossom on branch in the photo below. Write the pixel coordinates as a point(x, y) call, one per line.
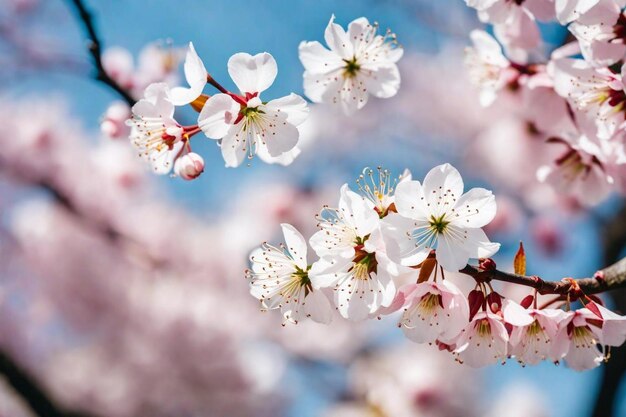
point(359, 62)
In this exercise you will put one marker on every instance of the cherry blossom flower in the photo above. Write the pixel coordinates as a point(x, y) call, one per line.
point(433, 311)
point(487, 66)
point(601, 33)
point(379, 189)
point(577, 340)
point(597, 93)
point(483, 342)
point(245, 124)
point(437, 215)
point(533, 332)
point(189, 166)
point(352, 258)
point(156, 63)
point(280, 279)
point(196, 76)
point(580, 171)
point(514, 22)
point(358, 63)
point(113, 122)
point(154, 131)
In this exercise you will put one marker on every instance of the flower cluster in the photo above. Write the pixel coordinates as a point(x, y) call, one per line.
point(359, 63)
point(388, 248)
point(576, 104)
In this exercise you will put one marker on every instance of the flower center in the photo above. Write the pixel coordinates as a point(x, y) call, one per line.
point(430, 302)
point(438, 224)
point(351, 68)
point(301, 278)
point(365, 263)
point(483, 328)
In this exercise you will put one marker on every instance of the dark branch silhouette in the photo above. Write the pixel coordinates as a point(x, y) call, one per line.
point(95, 49)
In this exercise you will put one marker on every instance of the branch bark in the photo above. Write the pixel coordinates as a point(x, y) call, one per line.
point(94, 46)
point(30, 391)
point(609, 278)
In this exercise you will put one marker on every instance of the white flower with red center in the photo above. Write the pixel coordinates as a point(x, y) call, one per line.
point(352, 258)
point(437, 215)
point(433, 311)
point(601, 34)
point(154, 131)
point(358, 63)
point(279, 278)
point(196, 76)
point(484, 341)
point(247, 126)
point(488, 68)
point(533, 332)
point(598, 93)
point(578, 340)
point(582, 333)
point(581, 171)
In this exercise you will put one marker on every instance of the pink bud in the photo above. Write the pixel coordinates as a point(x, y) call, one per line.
point(189, 166)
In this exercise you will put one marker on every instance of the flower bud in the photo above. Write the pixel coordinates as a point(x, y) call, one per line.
point(189, 166)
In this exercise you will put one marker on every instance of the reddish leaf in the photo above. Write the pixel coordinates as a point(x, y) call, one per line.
point(519, 263)
point(594, 309)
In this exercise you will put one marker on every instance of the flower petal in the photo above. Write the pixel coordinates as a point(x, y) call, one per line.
point(252, 74)
point(217, 116)
point(296, 245)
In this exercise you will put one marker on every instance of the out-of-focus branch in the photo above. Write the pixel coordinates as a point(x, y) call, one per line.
point(609, 278)
point(27, 387)
point(95, 49)
point(614, 241)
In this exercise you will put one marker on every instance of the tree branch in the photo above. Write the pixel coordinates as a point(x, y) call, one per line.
point(609, 278)
point(95, 49)
point(30, 391)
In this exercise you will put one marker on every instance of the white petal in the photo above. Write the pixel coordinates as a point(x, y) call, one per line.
point(476, 244)
point(252, 74)
point(196, 76)
point(442, 187)
point(293, 105)
point(337, 40)
point(279, 137)
point(318, 60)
point(296, 245)
point(234, 147)
point(318, 307)
point(475, 208)
point(384, 82)
point(217, 116)
point(450, 254)
point(409, 200)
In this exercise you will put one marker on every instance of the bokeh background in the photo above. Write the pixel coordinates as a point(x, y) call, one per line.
point(123, 294)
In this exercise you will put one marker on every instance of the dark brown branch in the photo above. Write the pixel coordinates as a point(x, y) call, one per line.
point(95, 49)
point(30, 391)
point(609, 278)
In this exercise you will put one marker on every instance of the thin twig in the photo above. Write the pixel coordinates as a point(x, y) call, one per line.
point(95, 49)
